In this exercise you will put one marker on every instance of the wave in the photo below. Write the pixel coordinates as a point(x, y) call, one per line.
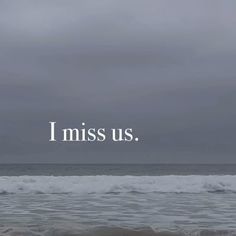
point(117, 184)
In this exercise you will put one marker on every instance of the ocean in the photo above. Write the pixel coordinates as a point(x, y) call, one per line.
point(71, 199)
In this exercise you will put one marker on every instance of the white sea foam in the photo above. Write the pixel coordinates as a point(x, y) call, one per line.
point(116, 184)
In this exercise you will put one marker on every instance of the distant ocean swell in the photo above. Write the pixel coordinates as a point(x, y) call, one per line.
point(117, 184)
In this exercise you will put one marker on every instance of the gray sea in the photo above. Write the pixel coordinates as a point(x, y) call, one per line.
point(68, 199)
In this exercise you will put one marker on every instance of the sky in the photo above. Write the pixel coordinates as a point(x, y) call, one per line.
point(164, 68)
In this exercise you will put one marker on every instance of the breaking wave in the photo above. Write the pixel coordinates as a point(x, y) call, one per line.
point(116, 184)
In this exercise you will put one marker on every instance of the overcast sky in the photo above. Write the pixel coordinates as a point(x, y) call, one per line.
point(167, 69)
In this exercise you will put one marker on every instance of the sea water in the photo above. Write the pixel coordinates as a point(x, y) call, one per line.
point(73, 199)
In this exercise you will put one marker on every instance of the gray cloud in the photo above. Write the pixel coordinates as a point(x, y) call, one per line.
point(165, 68)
